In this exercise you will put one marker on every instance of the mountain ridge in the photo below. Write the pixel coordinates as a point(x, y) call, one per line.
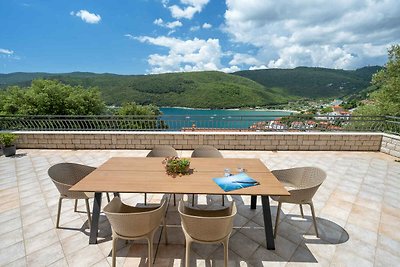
point(213, 89)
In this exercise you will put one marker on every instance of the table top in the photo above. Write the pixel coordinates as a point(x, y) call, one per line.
point(147, 175)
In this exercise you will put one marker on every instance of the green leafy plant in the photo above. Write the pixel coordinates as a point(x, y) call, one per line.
point(176, 165)
point(8, 139)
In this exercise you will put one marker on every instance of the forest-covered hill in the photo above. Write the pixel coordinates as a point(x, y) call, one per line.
point(313, 82)
point(211, 89)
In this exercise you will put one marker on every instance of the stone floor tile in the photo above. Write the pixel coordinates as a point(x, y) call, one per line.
point(12, 253)
point(135, 254)
point(18, 263)
point(384, 258)
point(364, 217)
point(10, 225)
point(85, 257)
point(46, 256)
point(217, 258)
point(322, 251)
point(264, 257)
point(9, 204)
point(355, 231)
point(60, 263)
point(11, 238)
point(359, 248)
point(40, 241)
point(388, 244)
point(9, 215)
point(35, 216)
point(353, 190)
point(74, 243)
point(284, 248)
point(36, 228)
point(103, 263)
point(71, 228)
point(255, 232)
point(242, 245)
point(349, 258)
point(204, 250)
point(390, 230)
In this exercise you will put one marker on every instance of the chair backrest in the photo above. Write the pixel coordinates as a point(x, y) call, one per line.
point(206, 152)
point(306, 181)
point(163, 151)
point(131, 221)
point(65, 175)
point(207, 225)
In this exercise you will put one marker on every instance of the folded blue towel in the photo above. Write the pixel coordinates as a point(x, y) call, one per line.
point(234, 182)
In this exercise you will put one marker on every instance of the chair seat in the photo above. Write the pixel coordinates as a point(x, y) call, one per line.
point(64, 176)
point(288, 186)
point(206, 213)
point(131, 223)
point(302, 183)
point(206, 226)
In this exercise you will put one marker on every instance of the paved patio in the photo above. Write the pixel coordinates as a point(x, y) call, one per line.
point(358, 210)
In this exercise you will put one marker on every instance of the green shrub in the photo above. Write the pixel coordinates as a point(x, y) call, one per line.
point(7, 139)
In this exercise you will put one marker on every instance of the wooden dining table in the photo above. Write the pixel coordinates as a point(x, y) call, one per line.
point(147, 175)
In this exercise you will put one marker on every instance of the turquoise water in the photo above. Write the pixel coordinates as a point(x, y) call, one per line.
point(178, 118)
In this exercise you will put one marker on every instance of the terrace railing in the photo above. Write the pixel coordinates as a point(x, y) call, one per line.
point(202, 123)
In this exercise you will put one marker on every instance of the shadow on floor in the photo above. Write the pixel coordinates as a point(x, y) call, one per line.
point(294, 235)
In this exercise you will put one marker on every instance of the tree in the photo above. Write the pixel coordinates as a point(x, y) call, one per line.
point(131, 108)
point(326, 110)
point(148, 116)
point(386, 100)
point(50, 97)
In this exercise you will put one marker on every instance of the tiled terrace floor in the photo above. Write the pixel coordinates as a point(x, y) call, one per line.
point(358, 210)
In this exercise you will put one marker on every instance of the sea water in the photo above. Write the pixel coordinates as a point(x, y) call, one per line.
point(178, 118)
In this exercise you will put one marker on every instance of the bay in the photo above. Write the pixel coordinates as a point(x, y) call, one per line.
point(178, 118)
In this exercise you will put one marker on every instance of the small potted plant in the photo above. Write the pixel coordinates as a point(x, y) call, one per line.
point(176, 166)
point(7, 141)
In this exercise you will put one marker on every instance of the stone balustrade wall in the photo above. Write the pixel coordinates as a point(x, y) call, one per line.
point(340, 141)
point(391, 145)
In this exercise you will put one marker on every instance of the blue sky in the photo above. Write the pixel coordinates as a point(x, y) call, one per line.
point(156, 36)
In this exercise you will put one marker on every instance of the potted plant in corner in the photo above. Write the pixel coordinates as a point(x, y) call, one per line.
point(7, 141)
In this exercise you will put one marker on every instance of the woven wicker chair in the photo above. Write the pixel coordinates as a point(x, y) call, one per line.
point(207, 152)
point(161, 151)
point(132, 223)
point(302, 184)
point(207, 226)
point(64, 176)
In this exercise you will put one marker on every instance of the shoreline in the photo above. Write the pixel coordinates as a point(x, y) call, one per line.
point(236, 109)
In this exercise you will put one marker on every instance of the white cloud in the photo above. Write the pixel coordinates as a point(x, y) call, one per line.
point(206, 26)
point(164, 3)
point(158, 21)
point(169, 25)
point(230, 69)
point(86, 16)
point(246, 59)
point(338, 34)
point(260, 67)
point(6, 51)
point(184, 55)
point(130, 36)
point(190, 7)
point(194, 28)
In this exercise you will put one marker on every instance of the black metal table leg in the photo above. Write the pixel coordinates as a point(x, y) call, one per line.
point(94, 228)
point(269, 234)
point(116, 194)
point(253, 203)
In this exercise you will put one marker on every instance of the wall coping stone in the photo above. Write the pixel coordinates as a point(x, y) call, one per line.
point(392, 136)
point(205, 133)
